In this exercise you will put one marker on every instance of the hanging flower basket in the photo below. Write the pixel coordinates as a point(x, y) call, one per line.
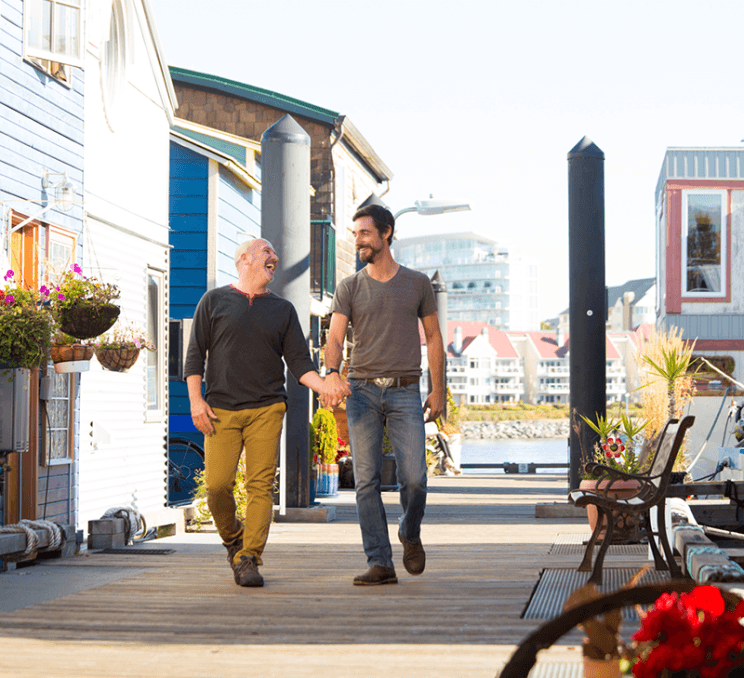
point(86, 321)
point(71, 357)
point(117, 359)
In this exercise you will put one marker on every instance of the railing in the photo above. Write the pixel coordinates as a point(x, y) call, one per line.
point(322, 258)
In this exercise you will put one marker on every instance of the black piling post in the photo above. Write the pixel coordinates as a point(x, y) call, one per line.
point(587, 312)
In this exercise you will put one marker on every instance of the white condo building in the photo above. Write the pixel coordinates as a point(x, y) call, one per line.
point(486, 282)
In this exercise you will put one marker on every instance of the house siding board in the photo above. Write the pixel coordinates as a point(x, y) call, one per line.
point(708, 326)
point(127, 465)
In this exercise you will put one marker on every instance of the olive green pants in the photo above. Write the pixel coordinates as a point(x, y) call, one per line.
point(257, 431)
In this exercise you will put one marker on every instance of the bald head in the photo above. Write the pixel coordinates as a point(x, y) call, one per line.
point(250, 246)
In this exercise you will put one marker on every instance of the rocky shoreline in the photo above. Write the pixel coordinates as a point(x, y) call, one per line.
point(526, 429)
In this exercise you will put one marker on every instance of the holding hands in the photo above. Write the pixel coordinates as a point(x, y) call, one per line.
point(335, 389)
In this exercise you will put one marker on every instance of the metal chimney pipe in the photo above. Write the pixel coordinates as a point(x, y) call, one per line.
point(587, 305)
point(285, 221)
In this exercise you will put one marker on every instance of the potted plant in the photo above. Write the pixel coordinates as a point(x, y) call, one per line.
point(83, 306)
point(618, 442)
point(25, 325)
point(326, 446)
point(119, 349)
point(69, 354)
point(690, 635)
point(602, 649)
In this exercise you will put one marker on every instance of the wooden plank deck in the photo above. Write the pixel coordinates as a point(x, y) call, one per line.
point(182, 614)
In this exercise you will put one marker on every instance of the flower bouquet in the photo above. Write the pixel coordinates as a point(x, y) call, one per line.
point(25, 324)
point(83, 306)
point(690, 635)
point(118, 350)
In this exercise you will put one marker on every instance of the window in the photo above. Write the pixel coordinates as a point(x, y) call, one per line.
point(59, 406)
point(59, 422)
point(155, 372)
point(113, 64)
point(704, 243)
point(53, 32)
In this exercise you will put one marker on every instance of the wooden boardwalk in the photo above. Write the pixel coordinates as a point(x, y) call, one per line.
point(182, 615)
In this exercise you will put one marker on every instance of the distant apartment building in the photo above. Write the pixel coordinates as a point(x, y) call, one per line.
point(486, 282)
point(629, 306)
point(485, 365)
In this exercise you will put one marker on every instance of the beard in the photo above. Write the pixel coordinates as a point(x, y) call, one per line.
point(368, 253)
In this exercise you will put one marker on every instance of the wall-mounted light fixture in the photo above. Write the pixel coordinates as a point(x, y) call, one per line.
point(64, 189)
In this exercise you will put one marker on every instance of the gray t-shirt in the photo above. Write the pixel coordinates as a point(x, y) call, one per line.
point(384, 316)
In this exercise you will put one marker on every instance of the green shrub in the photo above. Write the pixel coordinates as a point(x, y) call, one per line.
point(326, 436)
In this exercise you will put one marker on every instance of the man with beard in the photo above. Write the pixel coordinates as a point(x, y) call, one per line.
point(384, 302)
point(246, 330)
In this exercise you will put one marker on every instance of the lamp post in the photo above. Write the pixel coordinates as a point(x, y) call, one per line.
point(431, 206)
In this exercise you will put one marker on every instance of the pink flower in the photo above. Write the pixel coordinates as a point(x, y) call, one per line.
point(44, 291)
point(9, 300)
point(76, 269)
point(9, 275)
point(137, 343)
point(61, 297)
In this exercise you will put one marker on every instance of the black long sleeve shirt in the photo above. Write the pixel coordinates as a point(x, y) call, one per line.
point(245, 340)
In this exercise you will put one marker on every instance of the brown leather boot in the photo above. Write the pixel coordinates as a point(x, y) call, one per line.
point(376, 576)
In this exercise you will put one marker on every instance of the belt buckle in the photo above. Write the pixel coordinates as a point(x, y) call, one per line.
point(384, 382)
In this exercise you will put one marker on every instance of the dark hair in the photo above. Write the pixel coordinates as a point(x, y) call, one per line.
point(382, 217)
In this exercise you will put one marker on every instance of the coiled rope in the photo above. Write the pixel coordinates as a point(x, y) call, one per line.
point(135, 521)
point(54, 532)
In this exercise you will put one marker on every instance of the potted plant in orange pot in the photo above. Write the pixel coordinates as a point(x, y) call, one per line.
point(69, 354)
point(616, 449)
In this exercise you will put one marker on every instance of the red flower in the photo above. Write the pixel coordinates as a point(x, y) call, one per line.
point(613, 447)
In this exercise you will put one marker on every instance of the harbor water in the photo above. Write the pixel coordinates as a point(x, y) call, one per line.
point(516, 451)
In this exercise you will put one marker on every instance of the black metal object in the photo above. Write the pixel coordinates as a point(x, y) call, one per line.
point(587, 299)
point(652, 490)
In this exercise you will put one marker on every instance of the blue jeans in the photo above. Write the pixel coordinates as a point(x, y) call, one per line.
point(369, 409)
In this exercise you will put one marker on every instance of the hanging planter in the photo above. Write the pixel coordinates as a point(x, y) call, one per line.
point(71, 357)
point(85, 321)
point(83, 307)
point(117, 359)
point(118, 350)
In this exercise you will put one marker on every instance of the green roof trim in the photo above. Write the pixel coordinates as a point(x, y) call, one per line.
point(262, 96)
point(235, 151)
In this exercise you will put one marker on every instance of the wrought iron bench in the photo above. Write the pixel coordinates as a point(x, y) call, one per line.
point(651, 493)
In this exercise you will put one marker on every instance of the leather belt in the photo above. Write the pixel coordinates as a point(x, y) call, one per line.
point(387, 382)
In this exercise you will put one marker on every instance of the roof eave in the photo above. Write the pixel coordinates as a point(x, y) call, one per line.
point(361, 146)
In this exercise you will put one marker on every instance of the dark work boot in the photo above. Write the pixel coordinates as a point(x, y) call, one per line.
point(246, 572)
point(414, 558)
point(376, 576)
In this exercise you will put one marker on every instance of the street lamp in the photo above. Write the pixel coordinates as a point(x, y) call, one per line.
point(431, 206)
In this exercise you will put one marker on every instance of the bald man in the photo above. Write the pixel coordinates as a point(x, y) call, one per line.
point(246, 330)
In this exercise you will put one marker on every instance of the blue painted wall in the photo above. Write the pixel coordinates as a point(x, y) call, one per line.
point(41, 128)
point(238, 213)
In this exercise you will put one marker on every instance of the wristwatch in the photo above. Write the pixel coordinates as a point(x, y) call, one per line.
point(332, 370)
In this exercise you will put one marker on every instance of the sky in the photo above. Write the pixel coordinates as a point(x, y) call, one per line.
point(482, 101)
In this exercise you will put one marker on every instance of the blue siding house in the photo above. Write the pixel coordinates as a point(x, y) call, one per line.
point(215, 204)
point(41, 148)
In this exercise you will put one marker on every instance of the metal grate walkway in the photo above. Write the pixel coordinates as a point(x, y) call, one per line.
point(574, 545)
point(556, 585)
